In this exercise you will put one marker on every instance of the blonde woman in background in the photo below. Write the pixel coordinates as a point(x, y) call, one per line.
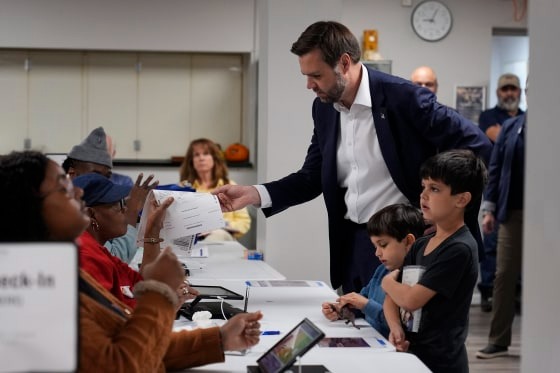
point(204, 168)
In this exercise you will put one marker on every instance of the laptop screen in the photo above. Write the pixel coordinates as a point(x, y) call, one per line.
point(296, 343)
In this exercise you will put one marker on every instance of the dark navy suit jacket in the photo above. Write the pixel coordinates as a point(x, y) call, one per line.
point(411, 126)
point(501, 162)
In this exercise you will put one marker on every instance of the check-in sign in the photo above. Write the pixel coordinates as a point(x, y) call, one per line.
point(38, 307)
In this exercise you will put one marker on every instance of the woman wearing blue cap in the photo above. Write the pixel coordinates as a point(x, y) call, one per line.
point(106, 207)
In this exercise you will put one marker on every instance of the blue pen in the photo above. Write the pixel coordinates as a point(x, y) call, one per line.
point(270, 332)
point(381, 342)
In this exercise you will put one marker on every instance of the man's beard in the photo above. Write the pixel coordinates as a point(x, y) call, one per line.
point(509, 104)
point(335, 93)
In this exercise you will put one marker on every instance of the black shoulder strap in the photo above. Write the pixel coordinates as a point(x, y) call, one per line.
point(94, 294)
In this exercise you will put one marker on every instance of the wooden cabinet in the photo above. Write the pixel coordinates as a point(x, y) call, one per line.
point(165, 105)
point(152, 104)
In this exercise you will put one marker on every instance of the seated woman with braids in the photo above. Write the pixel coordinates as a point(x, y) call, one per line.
point(44, 206)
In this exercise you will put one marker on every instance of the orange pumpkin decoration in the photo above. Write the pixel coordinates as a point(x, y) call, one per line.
point(237, 153)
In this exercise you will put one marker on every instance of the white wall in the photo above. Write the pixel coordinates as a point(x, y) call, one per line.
point(138, 25)
point(540, 337)
point(462, 58)
point(296, 240)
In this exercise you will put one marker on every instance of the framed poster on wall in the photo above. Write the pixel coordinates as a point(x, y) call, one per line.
point(470, 101)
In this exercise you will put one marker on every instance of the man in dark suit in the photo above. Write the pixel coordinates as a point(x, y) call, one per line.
point(372, 131)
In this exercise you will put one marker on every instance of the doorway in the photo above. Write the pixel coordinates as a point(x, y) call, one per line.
point(510, 54)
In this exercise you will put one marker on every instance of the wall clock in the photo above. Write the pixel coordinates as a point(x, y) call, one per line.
point(431, 20)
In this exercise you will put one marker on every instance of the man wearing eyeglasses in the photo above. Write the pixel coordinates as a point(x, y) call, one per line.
point(425, 76)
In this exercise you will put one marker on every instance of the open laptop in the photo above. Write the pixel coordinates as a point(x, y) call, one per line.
point(284, 353)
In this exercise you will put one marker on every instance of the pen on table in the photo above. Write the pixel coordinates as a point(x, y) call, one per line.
point(270, 332)
point(381, 342)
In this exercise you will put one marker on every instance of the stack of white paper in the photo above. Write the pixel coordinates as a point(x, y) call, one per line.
point(189, 214)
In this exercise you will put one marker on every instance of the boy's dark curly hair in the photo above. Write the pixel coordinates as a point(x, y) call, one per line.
point(397, 221)
point(459, 169)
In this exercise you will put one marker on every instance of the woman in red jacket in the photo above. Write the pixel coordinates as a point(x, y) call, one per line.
point(106, 208)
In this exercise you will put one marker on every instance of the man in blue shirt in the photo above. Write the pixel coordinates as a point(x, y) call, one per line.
point(509, 95)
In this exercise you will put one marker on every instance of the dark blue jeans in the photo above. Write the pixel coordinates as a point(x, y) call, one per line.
point(488, 264)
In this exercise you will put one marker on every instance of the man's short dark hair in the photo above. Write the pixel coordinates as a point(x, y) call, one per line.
point(333, 39)
point(460, 169)
point(397, 221)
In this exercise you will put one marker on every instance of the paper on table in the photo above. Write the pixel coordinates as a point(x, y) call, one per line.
point(189, 214)
point(199, 252)
point(285, 283)
point(192, 265)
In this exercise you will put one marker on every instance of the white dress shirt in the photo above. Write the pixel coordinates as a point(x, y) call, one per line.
point(360, 165)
